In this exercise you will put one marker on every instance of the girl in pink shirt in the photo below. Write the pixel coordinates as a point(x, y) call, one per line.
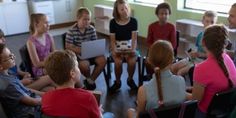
point(217, 73)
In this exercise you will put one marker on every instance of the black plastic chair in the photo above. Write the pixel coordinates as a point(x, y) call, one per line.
point(146, 78)
point(103, 71)
point(184, 110)
point(26, 61)
point(222, 104)
point(110, 60)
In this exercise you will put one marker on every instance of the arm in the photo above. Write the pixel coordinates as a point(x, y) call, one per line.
point(53, 48)
point(36, 92)
point(134, 40)
point(198, 91)
point(141, 100)
point(33, 55)
point(27, 100)
point(230, 53)
point(150, 36)
point(23, 74)
point(69, 43)
point(113, 43)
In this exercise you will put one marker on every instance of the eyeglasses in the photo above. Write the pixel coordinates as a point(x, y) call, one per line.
point(11, 56)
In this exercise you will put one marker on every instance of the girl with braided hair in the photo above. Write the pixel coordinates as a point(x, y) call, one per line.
point(217, 73)
point(164, 88)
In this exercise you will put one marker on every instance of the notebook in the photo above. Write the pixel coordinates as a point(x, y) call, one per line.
point(94, 48)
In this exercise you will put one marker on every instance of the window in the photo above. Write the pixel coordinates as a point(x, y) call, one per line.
point(149, 1)
point(221, 6)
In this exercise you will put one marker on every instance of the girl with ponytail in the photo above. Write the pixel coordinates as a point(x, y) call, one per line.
point(165, 88)
point(217, 73)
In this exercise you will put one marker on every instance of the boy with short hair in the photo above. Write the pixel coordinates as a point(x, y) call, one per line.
point(18, 101)
point(80, 32)
point(182, 67)
point(66, 100)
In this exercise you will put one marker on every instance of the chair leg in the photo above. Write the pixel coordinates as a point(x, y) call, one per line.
point(139, 71)
point(108, 73)
point(106, 78)
point(142, 71)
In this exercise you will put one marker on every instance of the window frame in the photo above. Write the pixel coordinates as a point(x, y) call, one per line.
point(191, 8)
point(143, 2)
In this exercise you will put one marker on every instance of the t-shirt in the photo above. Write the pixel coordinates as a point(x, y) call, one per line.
point(70, 102)
point(10, 97)
point(123, 32)
point(164, 32)
point(199, 42)
point(210, 75)
point(76, 37)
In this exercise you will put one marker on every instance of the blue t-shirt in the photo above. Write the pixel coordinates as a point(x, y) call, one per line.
point(10, 96)
point(199, 42)
point(173, 89)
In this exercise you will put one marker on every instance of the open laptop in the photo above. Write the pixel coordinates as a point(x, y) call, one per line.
point(90, 49)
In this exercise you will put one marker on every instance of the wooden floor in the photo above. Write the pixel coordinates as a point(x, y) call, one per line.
point(117, 103)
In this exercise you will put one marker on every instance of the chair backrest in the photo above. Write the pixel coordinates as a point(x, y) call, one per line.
point(184, 110)
point(26, 59)
point(63, 36)
point(177, 43)
point(222, 103)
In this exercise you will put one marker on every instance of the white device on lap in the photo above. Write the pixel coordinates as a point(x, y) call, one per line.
point(94, 48)
point(123, 45)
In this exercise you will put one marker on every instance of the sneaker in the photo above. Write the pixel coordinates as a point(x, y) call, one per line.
point(131, 84)
point(115, 87)
point(147, 77)
point(89, 84)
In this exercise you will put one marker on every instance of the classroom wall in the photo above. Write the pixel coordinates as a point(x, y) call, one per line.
point(145, 14)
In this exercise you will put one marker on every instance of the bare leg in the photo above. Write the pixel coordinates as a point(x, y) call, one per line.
point(84, 67)
point(184, 70)
point(100, 65)
point(131, 61)
point(178, 65)
point(118, 66)
point(42, 83)
point(131, 113)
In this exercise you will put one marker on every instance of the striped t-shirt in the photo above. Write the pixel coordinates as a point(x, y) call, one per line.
point(76, 37)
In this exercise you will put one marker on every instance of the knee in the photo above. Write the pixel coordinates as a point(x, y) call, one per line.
point(118, 63)
point(131, 62)
point(101, 61)
point(84, 65)
point(131, 113)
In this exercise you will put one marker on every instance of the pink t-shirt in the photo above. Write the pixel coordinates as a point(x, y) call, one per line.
point(209, 74)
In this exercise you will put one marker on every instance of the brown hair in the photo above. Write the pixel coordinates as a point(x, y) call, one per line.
point(34, 20)
point(59, 64)
point(211, 14)
point(81, 11)
point(160, 56)
point(234, 5)
point(215, 39)
point(163, 5)
point(2, 47)
point(115, 13)
point(1, 34)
